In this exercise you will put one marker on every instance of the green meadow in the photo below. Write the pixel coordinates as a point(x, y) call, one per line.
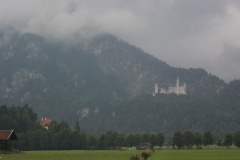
point(70, 155)
point(211, 154)
point(196, 155)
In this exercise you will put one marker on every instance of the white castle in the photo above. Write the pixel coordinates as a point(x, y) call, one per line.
point(177, 90)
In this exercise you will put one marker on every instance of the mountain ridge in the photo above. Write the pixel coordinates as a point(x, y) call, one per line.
point(87, 81)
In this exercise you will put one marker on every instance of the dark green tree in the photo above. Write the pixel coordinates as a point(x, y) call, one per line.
point(33, 140)
point(76, 126)
point(207, 138)
point(27, 118)
point(62, 125)
point(160, 139)
point(220, 142)
point(92, 142)
point(145, 137)
point(53, 127)
point(101, 144)
point(188, 139)
point(75, 139)
point(120, 140)
point(130, 141)
point(198, 140)
point(236, 139)
point(83, 141)
point(62, 140)
point(21, 119)
point(178, 139)
point(6, 145)
point(228, 140)
point(110, 139)
point(137, 139)
point(152, 139)
point(44, 139)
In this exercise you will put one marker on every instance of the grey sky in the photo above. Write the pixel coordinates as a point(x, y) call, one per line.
point(186, 33)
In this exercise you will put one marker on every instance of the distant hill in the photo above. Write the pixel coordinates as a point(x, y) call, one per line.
point(101, 81)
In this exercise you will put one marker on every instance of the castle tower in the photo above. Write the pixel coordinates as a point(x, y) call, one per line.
point(156, 88)
point(184, 88)
point(177, 82)
point(177, 86)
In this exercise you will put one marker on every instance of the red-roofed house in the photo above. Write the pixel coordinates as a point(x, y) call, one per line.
point(5, 139)
point(45, 122)
point(7, 135)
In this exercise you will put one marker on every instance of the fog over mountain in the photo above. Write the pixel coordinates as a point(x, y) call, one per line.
point(200, 33)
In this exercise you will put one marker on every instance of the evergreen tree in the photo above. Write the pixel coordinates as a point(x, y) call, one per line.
point(130, 141)
point(198, 140)
point(92, 142)
point(178, 139)
point(188, 139)
point(207, 138)
point(76, 126)
point(236, 139)
point(6, 145)
point(228, 140)
point(160, 139)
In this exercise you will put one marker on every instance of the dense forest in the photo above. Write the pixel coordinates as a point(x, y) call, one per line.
point(59, 136)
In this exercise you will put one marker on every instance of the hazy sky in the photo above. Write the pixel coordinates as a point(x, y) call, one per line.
point(186, 33)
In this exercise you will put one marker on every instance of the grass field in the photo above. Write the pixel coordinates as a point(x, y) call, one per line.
point(196, 155)
point(70, 155)
point(221, 154)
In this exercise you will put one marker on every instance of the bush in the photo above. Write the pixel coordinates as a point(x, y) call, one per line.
point(134, 157)
point(6, 145)
point(145, 155)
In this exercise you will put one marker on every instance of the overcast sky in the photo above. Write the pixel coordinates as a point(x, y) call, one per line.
point(186, 33)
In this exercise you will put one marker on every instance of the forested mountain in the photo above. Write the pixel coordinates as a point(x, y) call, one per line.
point(107, 84)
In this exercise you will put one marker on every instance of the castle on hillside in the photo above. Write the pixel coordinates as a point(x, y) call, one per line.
point(177, 90)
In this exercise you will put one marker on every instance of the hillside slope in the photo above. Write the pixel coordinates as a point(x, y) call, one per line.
point(94, 81)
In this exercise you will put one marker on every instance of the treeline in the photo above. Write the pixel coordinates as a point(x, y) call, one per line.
point(189, 139)
point(21, 119)
point(59, 136)
point(64, 138)
point(67, 139)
